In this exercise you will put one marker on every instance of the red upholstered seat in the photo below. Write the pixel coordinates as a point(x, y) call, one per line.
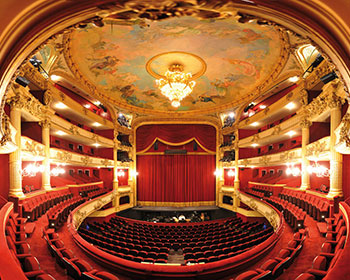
point(248, 275)
point(305, 276)
point(44, 277)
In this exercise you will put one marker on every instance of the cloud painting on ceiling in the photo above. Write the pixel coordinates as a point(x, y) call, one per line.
point(239, 57)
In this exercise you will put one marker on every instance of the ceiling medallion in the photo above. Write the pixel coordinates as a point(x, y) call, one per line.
point(177, 82)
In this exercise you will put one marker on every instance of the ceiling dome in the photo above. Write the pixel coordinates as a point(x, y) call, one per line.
point(240, 60)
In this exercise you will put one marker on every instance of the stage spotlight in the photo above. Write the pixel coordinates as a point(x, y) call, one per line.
point(319, 58)
point(251, 105)
point(22, 81)
point(35, 62)
point(328, 78)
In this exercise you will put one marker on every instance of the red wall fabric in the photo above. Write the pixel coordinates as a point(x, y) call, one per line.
point(4, 175)
point(346, 176)
point(176, 133)
point(176, 178)
point(106, 175)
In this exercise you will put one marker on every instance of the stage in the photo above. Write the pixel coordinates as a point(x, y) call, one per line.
point(147, 213)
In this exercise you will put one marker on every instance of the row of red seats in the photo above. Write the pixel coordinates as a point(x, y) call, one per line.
point(30, 188)
point(330, 251)
point(34, 207)
point(317, 207)
point(175, 237)
point(59, 213)
point(137, 240)
point(294, 215)
point(76, 268)
point(223, 252)
point(20, 250)
point(273, 268)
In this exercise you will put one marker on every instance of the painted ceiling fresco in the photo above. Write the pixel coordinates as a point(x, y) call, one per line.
point(238, 58)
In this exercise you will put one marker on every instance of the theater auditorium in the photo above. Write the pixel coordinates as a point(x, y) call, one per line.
point(190, 139)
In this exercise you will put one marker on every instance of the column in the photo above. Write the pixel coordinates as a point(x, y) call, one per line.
point(336, 160)
point(15, 157)
point(45, 131)
point(305, 138)
point(236, 183)
point(115, 169)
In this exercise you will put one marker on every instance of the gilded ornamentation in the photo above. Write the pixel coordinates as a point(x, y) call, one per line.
point(264, 159)
point(305, 123)
point(32, 74)
point(304, 97)
point(105, 162)
point(344, 131)
point(289, 96)
point(266, 110)
point(276, 130)
point(86, 160)
point(74, 130)
point(47, 97)
point(317, 148)
point(45, 123)
point(245, 162)
point(6, 137)
point(255, 138)
point(64, 156)
point(34, 148)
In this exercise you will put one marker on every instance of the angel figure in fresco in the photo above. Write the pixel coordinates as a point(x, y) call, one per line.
point(250, 36)
point(244, 67)
point(103, 63)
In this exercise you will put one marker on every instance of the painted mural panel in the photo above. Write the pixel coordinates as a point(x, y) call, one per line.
point(238, 57)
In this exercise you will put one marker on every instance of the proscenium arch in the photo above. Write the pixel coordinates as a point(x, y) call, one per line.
point(37, 21)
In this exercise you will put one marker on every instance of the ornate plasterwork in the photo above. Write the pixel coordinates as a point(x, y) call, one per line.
point(64, 156)
point(23, 100)
point(343, 135)
point(268, 212)
point(330, 97)
point(34, 148)
point(315, 150)
point(86, 160)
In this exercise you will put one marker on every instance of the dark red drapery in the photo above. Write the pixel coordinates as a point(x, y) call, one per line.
point(176, 133)
point(176, 178)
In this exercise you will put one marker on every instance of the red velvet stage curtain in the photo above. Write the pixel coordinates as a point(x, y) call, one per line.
point(176, 133)
point(176, 178)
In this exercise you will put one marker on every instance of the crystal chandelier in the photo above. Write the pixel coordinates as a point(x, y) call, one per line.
point(32, 169)
point(292, 170)
point(318, 170)
point(58, 170)
point(176, 85)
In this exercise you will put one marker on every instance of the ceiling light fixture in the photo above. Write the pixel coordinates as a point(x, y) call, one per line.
point(87, 106)
point(255, 145)
point(230, 173)
point(61, 133)
point(54, 77)
point(255, 124)
point(96, 145)
point(293, 79)
point(291, 133)
point(262, 106)
point(290, 106)
point(96, 124)
point(60, 105)
point(176, 85)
